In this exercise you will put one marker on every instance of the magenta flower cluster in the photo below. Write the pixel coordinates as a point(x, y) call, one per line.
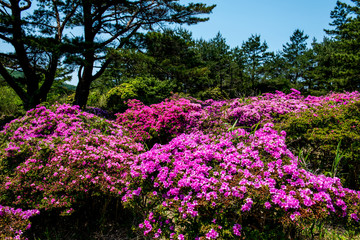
point(168, 118)
point(52, 156)
point(268, 106)
point(14, 222)
point(237, 174)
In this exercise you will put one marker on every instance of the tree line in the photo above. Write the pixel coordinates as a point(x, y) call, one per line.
point(118, 43)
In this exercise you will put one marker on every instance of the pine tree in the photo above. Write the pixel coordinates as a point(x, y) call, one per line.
point(256, 55)
point(295, 58)
point(34, 38)
point(346, 57)
point(321, 77)
point(217, 58)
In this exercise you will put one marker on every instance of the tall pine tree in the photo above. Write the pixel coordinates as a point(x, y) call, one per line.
point(346, 33)
point(295, 58)
point(256, 55)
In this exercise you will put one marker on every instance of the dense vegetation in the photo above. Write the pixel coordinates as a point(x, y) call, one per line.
point(222, 169)
point(180, 138)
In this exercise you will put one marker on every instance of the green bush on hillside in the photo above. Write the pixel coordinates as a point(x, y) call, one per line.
point(316, 133)
point(10, 105)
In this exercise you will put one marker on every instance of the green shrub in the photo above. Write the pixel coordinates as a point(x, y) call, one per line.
point(147, 90)
point(317, 132)
point(10, 103)
point(97, 99)
point(61, 160)
point(212, 93)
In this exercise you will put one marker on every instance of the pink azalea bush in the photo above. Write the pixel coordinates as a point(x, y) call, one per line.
point(269, 106)
point(162, 121)
point(61, 158)
point(23, 137)
point(14, 222)
point(79, 165)
point(202, 186)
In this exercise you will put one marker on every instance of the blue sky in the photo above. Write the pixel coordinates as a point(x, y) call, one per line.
point(273, 20)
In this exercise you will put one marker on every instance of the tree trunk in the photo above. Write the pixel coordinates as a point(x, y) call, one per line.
point(31, 101)
point(82, 93)
point(85, 79)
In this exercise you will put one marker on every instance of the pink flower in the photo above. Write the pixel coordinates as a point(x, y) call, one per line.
point(237, 229)
point(267, 205)
point(212, 234)
point(354, 216)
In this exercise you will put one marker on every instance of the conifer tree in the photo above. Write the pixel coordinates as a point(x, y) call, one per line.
point(34, 44)
point(295, 58)
point(256, 55)
point(346, 56)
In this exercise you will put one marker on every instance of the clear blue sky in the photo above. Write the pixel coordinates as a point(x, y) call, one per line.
point(273, 20)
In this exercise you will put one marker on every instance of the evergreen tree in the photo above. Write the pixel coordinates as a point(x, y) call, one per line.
point(169, 55)
point(346, 57)
point(176, 59)
point(217, 57)
point(274, 70)
point(35, 38)
point(111, 24)
point(319, 78)
point(36, 33)
point(295, 58)
point(237, 82)
point(256, 55)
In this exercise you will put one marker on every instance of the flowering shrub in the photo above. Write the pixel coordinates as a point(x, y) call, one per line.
point(217, 186)
point(25, 136)
point(269, 106)
point(14, 222)
point(76, 168)
point(162, 121)
point(54, 158)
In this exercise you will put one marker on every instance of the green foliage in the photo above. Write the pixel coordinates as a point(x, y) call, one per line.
point(126, 64)
point(320, 79)
point(317, 132)
point(10, 103)
point(335, 165)
point(123, 26)
point(169, 55)
point(59, 94)
point(96, 99)
point(346, 55)
point(217, 58)
point(147, 90)
point(256, 55)
point(212, 93)
point(293, 53)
